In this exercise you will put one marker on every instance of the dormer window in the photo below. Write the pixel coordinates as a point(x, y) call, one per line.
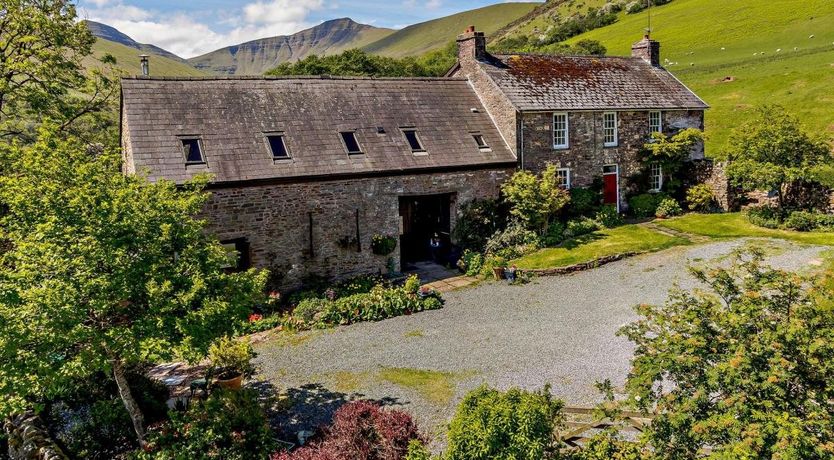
point(350, 142)
point(479, 139)
point(277, 146)
point(413, 141)
point(192, 149)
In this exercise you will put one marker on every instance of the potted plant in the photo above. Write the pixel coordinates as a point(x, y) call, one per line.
point(510, 273)
point(498, 265)
point(231, 362)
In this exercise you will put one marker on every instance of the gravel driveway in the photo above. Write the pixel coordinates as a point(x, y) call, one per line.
point(559, 330)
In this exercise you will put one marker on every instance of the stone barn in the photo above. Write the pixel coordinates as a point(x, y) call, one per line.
point(306, 171)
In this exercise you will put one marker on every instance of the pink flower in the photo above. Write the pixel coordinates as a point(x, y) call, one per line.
point(255, 317)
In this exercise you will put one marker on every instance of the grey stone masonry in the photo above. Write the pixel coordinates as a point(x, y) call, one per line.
point(275, 219)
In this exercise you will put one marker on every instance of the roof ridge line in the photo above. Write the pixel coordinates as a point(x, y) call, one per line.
point(283, 78)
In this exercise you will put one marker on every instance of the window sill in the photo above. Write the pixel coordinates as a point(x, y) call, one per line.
point(195, 164)
point(420, 153)
point(610, 146)
point(278, 160)
point(561, 147)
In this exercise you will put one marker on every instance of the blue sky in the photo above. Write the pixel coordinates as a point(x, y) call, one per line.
point(191, 28)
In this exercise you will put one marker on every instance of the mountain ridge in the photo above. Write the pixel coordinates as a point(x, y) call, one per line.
point(257, 56)
point(110, 33)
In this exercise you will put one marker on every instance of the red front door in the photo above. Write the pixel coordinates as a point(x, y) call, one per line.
point(609, 191)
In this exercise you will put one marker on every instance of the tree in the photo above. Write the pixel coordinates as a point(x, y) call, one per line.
point(670, 152)
point(535, 200)
point(744, 368)
point(103, 271)
point(41, 72)
point(772, 152)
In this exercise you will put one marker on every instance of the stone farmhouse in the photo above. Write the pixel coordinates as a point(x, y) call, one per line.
point(306, 171)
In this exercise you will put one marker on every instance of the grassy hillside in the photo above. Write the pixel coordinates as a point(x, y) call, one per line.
point(127, 59)
point(431, 35)
point(727, 53)
point(547, 15)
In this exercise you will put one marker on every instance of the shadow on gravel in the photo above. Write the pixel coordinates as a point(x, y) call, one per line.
point(307, 407)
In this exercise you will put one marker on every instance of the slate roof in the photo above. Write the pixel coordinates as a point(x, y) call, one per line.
point(545, 82)
point(231, 115)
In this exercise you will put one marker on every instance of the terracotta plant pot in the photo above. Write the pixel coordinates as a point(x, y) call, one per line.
point(230, 383)
point(498, 272)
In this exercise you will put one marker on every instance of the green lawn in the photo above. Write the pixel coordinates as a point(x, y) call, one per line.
point(628, 238)
point(735, 225)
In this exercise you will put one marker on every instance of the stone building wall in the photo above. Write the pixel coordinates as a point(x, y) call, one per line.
point(713, 174)
point(275, 219)
point(586, 154)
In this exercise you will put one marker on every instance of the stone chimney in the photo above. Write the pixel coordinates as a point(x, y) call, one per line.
point(647, 50)
point(144, 64)
point(471, 45)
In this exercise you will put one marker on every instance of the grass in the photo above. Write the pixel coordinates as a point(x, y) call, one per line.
point(436, 387)
point(693, 32)
point(628, 238)
point(428, 36)
point(414, 334)
point(736, 225)
point(127, 60)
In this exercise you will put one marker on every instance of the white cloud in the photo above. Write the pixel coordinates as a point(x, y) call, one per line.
point(185, 35)
point(429, 4)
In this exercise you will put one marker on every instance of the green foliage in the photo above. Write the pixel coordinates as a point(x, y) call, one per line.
point(378, 304)
point(645, 205)
point(555, 234)
point(670, 152)
point(417, 451)
point(669, 207)
point(583, 202)
point(42, 76)
point(805, 221)
point(581, 226)
point(478, 220)
point(516, 425)
point(232, 357)
point(471, 262)
point(103, 270)
point(356, 62)
point(382, 245)
point(772, 151)
point(512, 242)
point(608, 216)
point(764, 216)
point(744, 368)
point(535, 200)
point(229, 425)
point(699, 198)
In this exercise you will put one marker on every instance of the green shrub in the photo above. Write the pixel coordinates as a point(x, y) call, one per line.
point(382, 245)
point(764, 216)
point(535, 200)
point(230, 425)
point(412, 284)
point(471, 262)
point(417, 450)
point(583, 202)
point(513, 242)
point(608, 216)
point(478, 220)
point(668, 208)
point(700, 198)
point(231, 357)
point(309, 309)
point(581, 226)
point(555, 234)
point(802, 221)
point(517, 425)
point(645, 205)
point(493, 261)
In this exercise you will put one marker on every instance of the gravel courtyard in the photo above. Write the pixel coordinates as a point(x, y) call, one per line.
point(557, 330)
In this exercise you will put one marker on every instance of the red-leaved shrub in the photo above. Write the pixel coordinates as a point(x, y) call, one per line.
point(360, 431)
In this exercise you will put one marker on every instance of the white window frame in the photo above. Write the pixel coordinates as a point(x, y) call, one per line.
point(606, 129)
point(656, 177)
point(655, 127)
point(566, 176)
point(564, 131)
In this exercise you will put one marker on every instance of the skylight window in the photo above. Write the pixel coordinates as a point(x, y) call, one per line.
point(277, 146)
point(479, 139)
point(351, 144)
point(413, 140)
point(193, 151)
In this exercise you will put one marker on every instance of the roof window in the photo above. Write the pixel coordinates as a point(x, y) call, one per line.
point(479, 139)
point(413, 140)
point(193, 151)
point(277, 146)
point(351, 144)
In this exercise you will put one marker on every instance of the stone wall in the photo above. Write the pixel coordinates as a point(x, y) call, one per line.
point(586, 155)
point(713, 174)
point(275, 219)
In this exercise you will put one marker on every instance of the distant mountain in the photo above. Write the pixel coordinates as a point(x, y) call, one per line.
point(258, 56)
point(427, 36)
point(114, 35)
point(127, 60)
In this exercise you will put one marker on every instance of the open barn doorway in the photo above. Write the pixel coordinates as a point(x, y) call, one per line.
point(425, 218)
